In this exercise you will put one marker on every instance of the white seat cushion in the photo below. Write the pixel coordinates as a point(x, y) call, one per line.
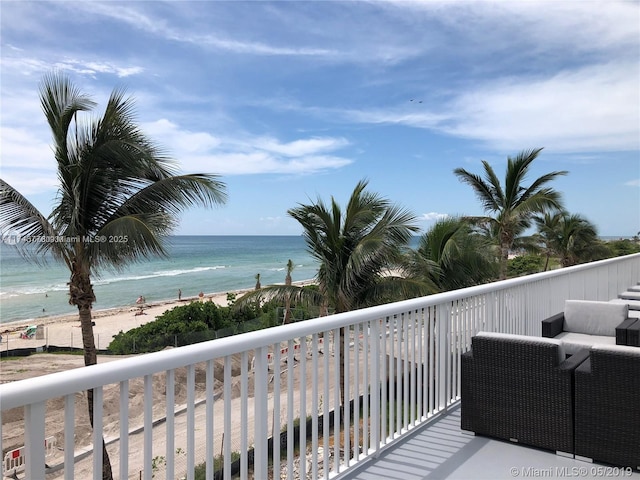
point(593, 318)
point(577, 341)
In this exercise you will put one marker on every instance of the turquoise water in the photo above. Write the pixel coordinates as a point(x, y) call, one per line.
point(196, 263)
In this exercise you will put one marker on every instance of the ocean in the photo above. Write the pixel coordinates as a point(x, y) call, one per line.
point(212, 264)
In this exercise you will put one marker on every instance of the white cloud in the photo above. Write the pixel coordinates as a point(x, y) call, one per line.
point(194, 151)
point(169, 134)
point(21, 149)
point(160, 27)
point(593, 108)
point(33, 184)
point(260, 162)
point(545, 24)
point(36, 66)
point(397, 115)
point(633, 183)
point(433, 216)
point(246, 154)
point(301, 147)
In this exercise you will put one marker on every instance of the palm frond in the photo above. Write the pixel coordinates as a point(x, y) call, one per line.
point(483, 190)
point(296, 294)
point(18, 215)
point(61, 101)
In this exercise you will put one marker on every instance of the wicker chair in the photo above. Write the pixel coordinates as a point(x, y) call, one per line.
point(520, 388)
point(584, 323)
point(607, 411)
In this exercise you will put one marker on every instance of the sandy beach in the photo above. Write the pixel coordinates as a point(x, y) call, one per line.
point(64, 331)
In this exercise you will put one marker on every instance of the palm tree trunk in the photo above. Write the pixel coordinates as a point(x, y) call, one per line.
point(504, 260)
point(107, 473)
point(81, 294)
point(287, 310)
point(88, 340)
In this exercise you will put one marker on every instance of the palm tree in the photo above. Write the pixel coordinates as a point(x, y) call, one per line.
point(514, 204)
point(571, 237)
point(355, 249)
point(119, 196)
point(452, 255)
point(548, 225)
point(258, 285)
point(287, 301)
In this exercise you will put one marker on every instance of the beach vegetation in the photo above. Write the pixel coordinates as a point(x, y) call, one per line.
point(569, 237)
point(622, 247)
point(525, 265)
point(452, 255)
point(119, 196)
point(199, 322)
point(511, 205)
point(182, 325)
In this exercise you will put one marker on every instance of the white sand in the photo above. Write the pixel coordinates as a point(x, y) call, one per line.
point(65, 331)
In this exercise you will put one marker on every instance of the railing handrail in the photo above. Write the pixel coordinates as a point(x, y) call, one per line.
point(38, 389)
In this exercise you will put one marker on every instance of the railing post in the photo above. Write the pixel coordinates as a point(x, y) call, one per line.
point(261, 414)
point(98, 438)
point(34, 417)
point(442, 325)
point(376, 390)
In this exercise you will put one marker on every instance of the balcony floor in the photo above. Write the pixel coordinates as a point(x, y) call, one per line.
point(440, 450)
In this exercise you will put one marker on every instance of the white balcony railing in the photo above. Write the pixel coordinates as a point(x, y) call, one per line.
point(228, 397)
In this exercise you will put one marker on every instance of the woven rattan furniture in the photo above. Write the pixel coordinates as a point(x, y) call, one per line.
point(584, 323)
point(633, 334)
point(519, 388)
point(607, 409)
point(622, 338)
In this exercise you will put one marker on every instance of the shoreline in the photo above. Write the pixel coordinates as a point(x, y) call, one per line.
point(154, 309)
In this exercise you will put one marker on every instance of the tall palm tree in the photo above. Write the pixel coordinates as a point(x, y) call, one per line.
point(513, 204)
point(355, 249)
point(548, 225)
point(452, 255)
point(119, 196)
point(287, 301)
point(571, 237)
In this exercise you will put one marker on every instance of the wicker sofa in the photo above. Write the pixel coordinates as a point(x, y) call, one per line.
point(607, 406)
point(585, 323)
point(520, 388)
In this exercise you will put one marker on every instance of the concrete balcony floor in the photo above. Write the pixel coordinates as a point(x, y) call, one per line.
point(440, 450)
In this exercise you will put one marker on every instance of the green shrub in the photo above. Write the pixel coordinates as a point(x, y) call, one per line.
point(525, 265)
point(182, 325)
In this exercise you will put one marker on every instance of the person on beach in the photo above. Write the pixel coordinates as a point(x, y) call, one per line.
point(201, 295)
point(179, 294)
point(140, 300)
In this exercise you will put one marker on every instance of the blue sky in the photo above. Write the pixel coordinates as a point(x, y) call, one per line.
point(291, 101)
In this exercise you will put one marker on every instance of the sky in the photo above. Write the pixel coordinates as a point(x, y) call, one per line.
point(295, 101)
